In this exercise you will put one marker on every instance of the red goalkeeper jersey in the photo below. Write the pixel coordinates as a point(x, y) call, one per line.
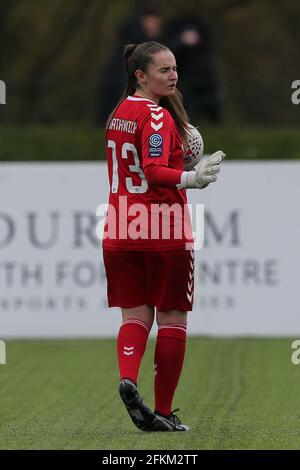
point(145, 161)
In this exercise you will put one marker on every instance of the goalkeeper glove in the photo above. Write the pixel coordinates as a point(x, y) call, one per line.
point(204, 173)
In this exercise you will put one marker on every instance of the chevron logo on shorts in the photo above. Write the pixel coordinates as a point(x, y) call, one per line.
point(190, 290)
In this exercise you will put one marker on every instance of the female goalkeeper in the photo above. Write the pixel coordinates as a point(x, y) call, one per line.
point(147, 246)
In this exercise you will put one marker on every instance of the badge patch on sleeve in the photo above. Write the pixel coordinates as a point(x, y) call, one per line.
point(155, 145)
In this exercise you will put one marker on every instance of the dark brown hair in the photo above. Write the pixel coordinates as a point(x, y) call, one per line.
point(137, 57)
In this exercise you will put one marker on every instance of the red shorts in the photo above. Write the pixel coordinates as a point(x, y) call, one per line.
point(163, 279)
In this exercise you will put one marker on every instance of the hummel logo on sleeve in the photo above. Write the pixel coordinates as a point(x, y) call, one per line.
point(156, 116)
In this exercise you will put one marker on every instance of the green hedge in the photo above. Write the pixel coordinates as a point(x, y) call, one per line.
point(79, 143)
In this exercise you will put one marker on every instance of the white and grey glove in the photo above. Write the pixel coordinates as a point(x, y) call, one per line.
point(205, 172)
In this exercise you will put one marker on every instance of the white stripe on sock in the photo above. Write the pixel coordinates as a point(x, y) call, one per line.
point(173, 327)
point(137, 322)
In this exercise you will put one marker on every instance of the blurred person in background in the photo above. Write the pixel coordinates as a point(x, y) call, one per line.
point(145, 26)
point(190, 40)
point(150, 276)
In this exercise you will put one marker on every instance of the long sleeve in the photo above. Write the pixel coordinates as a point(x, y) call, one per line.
point(162, 176)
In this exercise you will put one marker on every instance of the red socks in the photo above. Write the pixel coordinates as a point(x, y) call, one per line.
point(132, 340)
point(168, 361)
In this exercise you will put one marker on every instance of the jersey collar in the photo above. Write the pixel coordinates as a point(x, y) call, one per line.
point(140, 98)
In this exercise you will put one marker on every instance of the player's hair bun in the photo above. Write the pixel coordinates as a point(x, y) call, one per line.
point(128, 51)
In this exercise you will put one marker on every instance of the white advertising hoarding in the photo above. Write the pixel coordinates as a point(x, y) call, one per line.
point(52, 281)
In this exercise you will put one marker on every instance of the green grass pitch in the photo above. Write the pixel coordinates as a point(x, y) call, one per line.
point(233, 393)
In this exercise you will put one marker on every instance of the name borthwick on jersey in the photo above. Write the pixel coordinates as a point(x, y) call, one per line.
point(123, 125)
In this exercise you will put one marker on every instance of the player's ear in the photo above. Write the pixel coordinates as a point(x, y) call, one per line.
point(140, 76)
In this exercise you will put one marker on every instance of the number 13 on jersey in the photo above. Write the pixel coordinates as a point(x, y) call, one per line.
point(127, 148)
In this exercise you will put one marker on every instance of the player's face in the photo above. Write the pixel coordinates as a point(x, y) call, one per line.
point(161, 76)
